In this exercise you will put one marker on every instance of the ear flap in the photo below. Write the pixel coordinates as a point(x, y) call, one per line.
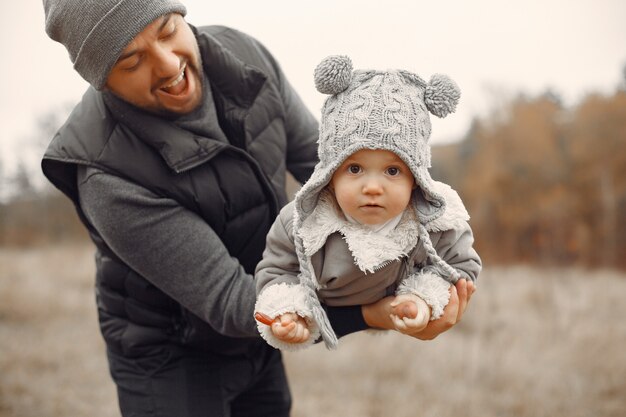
point(441, 95)
point(333, 74)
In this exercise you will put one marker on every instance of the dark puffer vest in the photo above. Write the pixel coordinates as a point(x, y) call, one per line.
point(237, 188)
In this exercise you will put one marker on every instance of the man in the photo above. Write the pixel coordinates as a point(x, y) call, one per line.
point(175, 161)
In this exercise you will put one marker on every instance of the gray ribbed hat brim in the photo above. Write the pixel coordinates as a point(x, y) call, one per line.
point(95, 34)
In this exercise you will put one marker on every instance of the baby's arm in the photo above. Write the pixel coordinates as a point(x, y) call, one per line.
point(454, 246)
point(279, 264)
point(284, 319)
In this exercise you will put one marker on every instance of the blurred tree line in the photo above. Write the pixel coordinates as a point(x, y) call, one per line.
point(39, 219)
point(32, 211)
point(545, 184)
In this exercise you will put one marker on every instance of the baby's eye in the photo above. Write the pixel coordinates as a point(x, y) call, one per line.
point(393, 171)
point(354, 169)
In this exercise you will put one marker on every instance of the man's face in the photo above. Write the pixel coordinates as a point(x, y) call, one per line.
point(160, 70)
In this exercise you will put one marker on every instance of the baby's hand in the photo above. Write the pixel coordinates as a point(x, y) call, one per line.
point(290, 328)
point(409, 314)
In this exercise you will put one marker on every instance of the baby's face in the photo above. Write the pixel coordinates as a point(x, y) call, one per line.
point(372, 186)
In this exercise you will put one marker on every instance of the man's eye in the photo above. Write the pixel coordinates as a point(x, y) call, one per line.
point(132, 67)
point(169, 33)
point(354, 169)
point(129, 64)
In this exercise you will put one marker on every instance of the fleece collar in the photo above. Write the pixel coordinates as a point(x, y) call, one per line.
point(369, 249)
point(454, 216)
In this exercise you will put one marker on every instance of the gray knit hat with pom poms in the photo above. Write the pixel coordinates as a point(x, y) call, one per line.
point(370, 109)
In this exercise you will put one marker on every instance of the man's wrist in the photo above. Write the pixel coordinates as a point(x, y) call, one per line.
point(376, 315)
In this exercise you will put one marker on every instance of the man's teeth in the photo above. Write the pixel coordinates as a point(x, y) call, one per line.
point(178, 79)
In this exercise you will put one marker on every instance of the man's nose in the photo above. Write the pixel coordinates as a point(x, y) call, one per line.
point(166, 62)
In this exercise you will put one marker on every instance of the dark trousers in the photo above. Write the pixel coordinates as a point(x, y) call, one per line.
point(188, 383)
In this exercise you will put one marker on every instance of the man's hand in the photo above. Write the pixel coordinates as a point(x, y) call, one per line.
point(377, 315)
point(460, 295)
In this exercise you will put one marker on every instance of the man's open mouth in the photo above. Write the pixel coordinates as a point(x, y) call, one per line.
point(177, 86)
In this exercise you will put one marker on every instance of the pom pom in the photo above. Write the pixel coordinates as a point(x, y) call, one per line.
point(333, 74)
point(442, 95)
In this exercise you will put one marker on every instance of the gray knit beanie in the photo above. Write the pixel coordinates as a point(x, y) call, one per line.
point(370, 109)
point(95, 32)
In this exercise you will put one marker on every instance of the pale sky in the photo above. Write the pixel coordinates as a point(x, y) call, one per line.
point(491, 48)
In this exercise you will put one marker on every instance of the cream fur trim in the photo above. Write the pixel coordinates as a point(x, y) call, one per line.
point(431, 288)
point(455, 215)
point(369, 249)
point(279, 299)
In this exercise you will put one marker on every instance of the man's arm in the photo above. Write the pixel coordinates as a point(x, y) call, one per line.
point(300, 124)
point(171, 247)
point(302, 134)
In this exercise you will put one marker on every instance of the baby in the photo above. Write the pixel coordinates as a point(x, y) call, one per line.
point(370, 222)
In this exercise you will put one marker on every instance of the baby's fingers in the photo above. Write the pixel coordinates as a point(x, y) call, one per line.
point(300, 335)
point(417, 324)
point(404, 308)
point(296, 333)
point(398, 323)
point(291, 329)
point(282, 331)
point(406, 325)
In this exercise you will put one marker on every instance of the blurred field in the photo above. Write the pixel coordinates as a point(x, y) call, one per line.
point(534, 343)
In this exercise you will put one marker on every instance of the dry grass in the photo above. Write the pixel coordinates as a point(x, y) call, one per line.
point(534, 343)
point(52, 359)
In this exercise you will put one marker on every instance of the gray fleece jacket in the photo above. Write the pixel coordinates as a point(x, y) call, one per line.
point(306, 263)
point(354, 266)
